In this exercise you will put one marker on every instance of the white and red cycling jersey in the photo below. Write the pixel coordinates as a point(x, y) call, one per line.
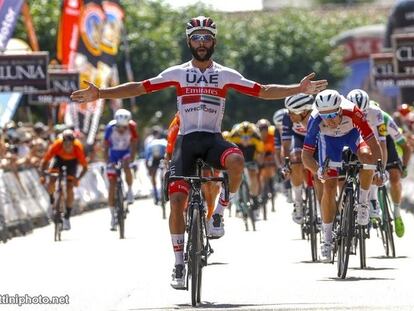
point(201, 96)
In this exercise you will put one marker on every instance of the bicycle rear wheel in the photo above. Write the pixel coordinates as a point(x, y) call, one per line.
point(57, 218)
point(362, 246)
point(387, 227)
point(311, 204)
point(120, 212)
point(347, 228)
point(246, 203)
point(195, 256)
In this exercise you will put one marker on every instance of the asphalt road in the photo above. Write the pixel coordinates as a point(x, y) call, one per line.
point(269, 269)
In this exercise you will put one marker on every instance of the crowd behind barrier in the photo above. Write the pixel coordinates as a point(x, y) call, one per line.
point(24, 202)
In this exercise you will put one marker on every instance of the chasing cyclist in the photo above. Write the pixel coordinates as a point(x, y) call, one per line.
point(202, 86)
point(295, 121)
point(120, 145)
point(375, 119)
point(396, 165)
point(67, 151)
point(335, 122)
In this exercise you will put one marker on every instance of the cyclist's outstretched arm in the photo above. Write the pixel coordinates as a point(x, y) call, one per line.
point(92, 92)
point(375, 148)
point(276, 91)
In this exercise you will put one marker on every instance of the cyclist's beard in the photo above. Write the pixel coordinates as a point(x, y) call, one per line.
point(207, 56)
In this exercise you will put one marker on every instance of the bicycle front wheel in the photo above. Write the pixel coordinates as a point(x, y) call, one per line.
point(346, 234)
point(120, 212)
point(311, 203)
point(195, 256)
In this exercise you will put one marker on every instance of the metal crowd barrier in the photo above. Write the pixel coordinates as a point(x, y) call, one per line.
point(24, 202)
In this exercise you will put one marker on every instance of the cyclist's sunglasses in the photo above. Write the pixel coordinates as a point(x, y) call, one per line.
point(68, 138)
point(123, 127)
point(200, 37)
point(331, 115)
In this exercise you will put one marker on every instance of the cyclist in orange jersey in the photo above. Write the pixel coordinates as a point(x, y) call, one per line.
point(65, 151)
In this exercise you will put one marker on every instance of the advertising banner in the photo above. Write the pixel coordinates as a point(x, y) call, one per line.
point(9, 13)
point(62, 84)
point(26, 73)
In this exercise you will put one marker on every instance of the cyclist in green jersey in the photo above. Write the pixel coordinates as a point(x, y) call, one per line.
point(396, 166)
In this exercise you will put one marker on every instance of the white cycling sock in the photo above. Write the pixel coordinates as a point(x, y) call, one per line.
point(178, 245)
point(373, 192)
point(297, 190)
point(222, 202)
point(112, 210)
point(363, 195)
point(397, 210)
point(327, 232)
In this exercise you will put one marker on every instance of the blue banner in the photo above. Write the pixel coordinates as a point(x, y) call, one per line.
point(9, 12)
point(8, 105)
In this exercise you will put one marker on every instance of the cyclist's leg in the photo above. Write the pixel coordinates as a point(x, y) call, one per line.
point(396, 194)
point(182, 164)
point(210, 191)
point(71, 168)
point(128, 175)
point(329, 147)
point(111, 174)
point(224, 155)
point(254, 186)
point(297, 177)
point(361, 149)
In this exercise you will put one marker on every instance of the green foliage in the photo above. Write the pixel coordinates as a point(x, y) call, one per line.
point(268, 47)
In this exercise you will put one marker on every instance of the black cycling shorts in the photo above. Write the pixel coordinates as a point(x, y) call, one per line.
point(210, 147)
point(248, 152)
point(71, 166)
point(393, 160)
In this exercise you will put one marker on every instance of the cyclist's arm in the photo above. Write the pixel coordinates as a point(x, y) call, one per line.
point(310, 142)
point(375, 148)
point(50, 153)
point(286, 145)
point(277, 91)
point(406, 153)
point(134, 139)
point(81, 157)
point(309, 162)
point(126, 90)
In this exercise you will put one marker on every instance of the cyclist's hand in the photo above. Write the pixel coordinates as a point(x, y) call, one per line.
point(404, 171)
point(90, 94)
point(321, 175)
point(42, 180)
point(308, 86)
point(126, 162)
point(380, 179)
point(75, 182)
point(285, 171)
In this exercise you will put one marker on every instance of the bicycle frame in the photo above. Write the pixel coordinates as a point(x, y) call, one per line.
point(198, 246)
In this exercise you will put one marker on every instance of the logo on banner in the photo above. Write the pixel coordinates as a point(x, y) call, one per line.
point(91, 21)
point(112, 28)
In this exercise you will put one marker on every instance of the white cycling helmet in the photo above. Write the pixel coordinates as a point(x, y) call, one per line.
point(122, 117)
point(299, 103)
point(359, 98)
point(201, 23)
point(327, 100)
point(278, 116)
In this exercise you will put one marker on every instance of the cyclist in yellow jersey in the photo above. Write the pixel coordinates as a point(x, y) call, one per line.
point(247, 137)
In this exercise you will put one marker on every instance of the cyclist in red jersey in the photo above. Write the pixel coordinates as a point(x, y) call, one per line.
point(202, 86)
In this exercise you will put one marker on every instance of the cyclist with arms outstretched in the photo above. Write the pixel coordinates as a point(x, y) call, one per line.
point(202, 86)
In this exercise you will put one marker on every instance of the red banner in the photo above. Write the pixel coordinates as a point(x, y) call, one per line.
point(68, 35)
